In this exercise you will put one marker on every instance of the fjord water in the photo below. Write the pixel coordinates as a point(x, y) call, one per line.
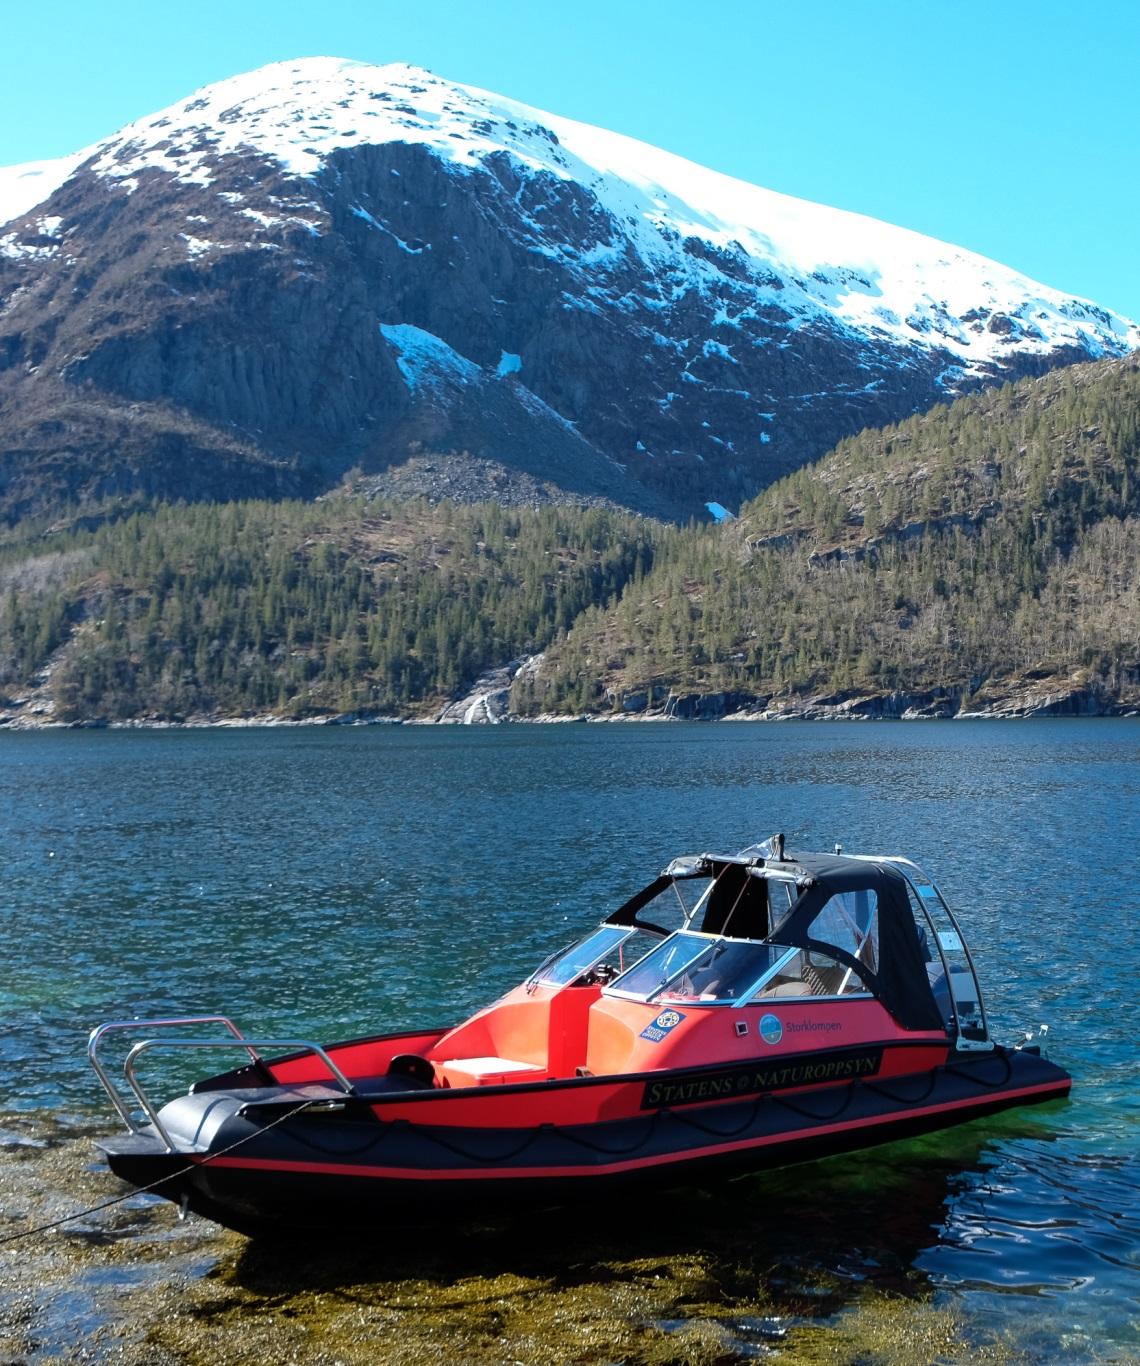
point(328, 882)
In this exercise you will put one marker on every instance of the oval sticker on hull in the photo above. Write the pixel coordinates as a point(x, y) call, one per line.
point(771, 1030)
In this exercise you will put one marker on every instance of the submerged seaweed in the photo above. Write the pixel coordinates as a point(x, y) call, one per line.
point(789, 1267)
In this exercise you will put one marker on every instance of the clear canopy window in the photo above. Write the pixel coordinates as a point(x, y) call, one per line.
point(693, 967)
point(600, 957)
point(850, 921)
point(811, 974)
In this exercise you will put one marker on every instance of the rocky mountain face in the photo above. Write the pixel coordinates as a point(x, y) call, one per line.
point(325, 268)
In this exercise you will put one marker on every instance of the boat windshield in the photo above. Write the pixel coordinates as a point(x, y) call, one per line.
point(714, 971)
point(699, 967)
point(607, 952)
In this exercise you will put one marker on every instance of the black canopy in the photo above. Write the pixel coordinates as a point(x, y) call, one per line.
point(900, 981)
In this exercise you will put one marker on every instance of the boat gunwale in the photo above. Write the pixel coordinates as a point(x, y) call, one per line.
point(546, 1085)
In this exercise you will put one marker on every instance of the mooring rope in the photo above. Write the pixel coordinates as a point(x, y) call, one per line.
point(806, 1112)
point(154, 1185)
point(485, 1159)
point(714, 1131)
point(880, 1088)
point(604, 1149)
point(959, 1071)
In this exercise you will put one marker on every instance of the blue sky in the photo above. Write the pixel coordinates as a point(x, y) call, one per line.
point(1006, 126)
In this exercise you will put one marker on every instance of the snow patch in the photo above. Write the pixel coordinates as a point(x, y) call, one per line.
point(15, 250)
point(383, 227)
point(196, 246)
point(23, 187)
point(509, 364)
point(425, 359)
point(264, 219)
point(543, 409)
point(719, 512)
point(714, 348)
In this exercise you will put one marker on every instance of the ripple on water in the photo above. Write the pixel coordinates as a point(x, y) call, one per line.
point(329, 884)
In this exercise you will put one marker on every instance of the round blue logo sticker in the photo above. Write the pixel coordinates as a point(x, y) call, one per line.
point(771, 1030)
point(668, 1018)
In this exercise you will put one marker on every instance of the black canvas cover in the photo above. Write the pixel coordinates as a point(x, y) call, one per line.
point(626, 914)
point(901, 982)
point(737, 904)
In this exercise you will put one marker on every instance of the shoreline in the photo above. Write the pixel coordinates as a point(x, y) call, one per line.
point(15, 723)
point(486, 700)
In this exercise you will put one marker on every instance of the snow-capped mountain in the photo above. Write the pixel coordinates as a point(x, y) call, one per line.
point(324, 264)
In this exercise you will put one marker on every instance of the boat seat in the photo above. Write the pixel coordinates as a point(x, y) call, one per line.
point(793, 988)
point(823, 981)
point(488, 1071)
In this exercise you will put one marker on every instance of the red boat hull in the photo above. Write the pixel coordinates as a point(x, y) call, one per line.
point(266, 1158)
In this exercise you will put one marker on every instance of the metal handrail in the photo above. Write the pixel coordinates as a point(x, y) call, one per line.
point(97, 1034)
point(250, 1044)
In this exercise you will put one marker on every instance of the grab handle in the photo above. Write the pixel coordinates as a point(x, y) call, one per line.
point(97, 1035)
point(301, 1045)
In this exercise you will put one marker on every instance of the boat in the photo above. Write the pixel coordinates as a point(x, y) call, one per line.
point(742, 1011)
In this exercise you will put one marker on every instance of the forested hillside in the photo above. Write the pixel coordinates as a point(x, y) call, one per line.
point(296, 609)
point(982, 555)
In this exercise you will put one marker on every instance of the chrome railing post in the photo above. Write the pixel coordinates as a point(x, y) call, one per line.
point(97, 1034)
